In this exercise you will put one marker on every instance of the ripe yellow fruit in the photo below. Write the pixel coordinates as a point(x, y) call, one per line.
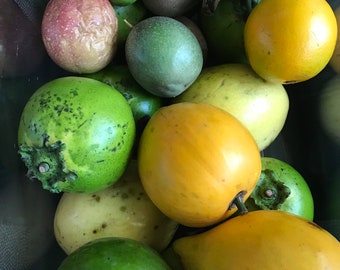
point(289, 41)
point(194, 159)
point(264, 239)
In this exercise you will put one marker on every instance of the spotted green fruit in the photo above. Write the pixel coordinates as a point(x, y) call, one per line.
point(75, 135)
point(114, 253)
point(163, 55)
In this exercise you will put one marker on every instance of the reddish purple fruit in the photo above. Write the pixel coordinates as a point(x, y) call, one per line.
point(80, 35)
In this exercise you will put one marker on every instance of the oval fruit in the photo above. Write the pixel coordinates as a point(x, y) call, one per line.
point(80, 36)
point(260, 106)
point(194, 159)
point(121, 210)
point(114, 253)
point(288, 41)
point(76, 134)
point(264, 239)
point(329, 110)
point(163, 55)
point(281, 187)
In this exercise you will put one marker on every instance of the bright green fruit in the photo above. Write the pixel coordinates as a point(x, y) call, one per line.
point(163, 55)
point(114, 254)
point(76, 134)
point(281, 187)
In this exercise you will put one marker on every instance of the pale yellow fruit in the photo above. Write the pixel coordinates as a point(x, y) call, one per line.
point(261, 106)
point(261, 240)
point(122, 210)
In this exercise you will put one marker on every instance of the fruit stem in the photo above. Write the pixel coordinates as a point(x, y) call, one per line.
point(238, 202)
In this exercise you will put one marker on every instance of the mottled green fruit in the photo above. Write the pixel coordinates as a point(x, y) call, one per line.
point(114, 254)
point(163, 55)
point(76, 134)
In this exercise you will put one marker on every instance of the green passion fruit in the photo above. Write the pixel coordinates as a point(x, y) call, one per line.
point(114, 253)
point(76, 134)
point(163, 55)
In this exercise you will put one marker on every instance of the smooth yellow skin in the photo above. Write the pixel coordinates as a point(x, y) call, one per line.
point(122, 210)
point(289, 41)
point(264, 239)
point(194, 159)
point(261, 106)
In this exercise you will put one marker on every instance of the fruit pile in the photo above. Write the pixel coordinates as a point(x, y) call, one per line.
point(153, 132)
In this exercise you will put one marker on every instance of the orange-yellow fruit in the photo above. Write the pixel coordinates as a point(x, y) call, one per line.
point(264, 239)
point(194, 159)
point(289, 41)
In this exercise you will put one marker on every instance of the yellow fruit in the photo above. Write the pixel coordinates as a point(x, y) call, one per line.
point(289, 41)
point(261, 106)
point(264, 239)
point(194, 159)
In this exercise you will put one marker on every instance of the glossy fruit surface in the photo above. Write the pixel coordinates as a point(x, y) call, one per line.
point(281, 187)
point(163, 55)
point(290, 41)
point(114, 254)
point(264, 239)
point(194, 159)
point(261, 106)
point(76, 134)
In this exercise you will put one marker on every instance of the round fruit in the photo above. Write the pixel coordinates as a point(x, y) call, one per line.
point(114, 253)
point(121, 210)
point(329, 110)
point(264, 239)
point(194, 159)
point(163, 55)
point(76, 134)
point(290, 41)
point(261, 106)
point(223, 31)
point(80, 35)
point(281, 187)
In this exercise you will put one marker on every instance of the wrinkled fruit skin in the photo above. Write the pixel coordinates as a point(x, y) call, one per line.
point(76, 134)
point(81, 35)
